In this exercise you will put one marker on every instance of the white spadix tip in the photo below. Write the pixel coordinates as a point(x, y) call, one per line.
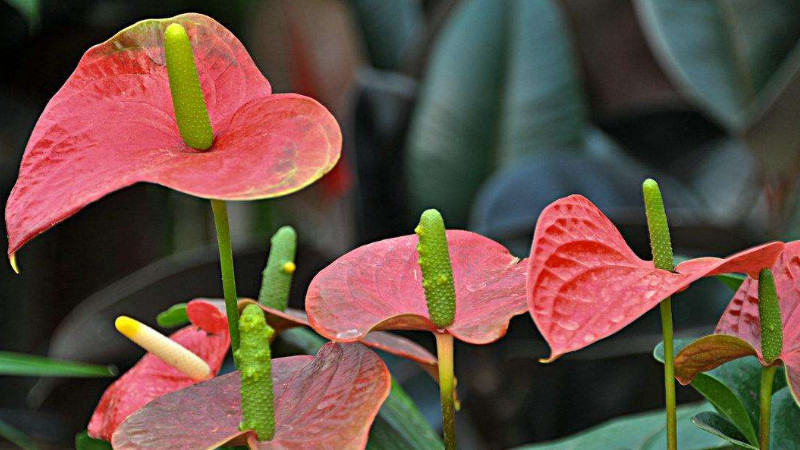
point(165, 348)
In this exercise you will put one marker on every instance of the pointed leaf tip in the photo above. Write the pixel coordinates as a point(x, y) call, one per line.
point(12, 259)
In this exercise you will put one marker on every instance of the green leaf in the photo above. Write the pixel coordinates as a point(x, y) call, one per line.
point(399, 424)
point(173, 317)
point(642, 432)
point(731, 280)
point(727, 389)
point(785, 426)
point(723, 54)
point(84, 442)
point(16, 437)
point(517, 94)
point(37, 366)
point(721, 427)
point(739, 61)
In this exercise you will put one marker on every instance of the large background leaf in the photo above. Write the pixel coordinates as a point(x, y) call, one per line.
point(641, 432)
point(740, 62)
point(516, 94)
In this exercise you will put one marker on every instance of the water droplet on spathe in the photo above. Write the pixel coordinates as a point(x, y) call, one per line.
point(349, 334)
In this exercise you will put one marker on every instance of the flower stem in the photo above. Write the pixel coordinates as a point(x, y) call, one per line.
point(228, 276)
point(669, 372)
point(444, 352)
point(661, 245)
point(765, 403)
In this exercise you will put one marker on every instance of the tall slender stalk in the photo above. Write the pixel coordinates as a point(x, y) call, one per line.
point(662, 258)
point(444, 351)
point(765, 404)
point(226, 266)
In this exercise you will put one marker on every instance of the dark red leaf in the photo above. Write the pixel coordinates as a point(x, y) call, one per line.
point(112, 125)
point(379, 287)
point(151, 378)
point(329, 400)
point(585, 283)
point(380, 340)
point(741, 317)
point(707, 353)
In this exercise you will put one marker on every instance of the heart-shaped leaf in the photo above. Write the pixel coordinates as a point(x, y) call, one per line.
point(331, 398)
point(151, 377)
point(641, 431)
point(741, 317)
point(719, 426)
point(399, 424)
point(379, 287)
point(585, 283)
point(112, 125)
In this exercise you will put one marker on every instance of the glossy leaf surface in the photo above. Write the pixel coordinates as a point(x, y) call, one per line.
point(151, 377)
point(585, 283)
point(713, 423)
point(641, 431)
point(379, 340)
point(112, 125)
point(331, 398)
point(379, 287)
point(741, 317)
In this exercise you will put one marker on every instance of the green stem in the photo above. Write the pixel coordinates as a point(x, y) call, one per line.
point(226, 266)
point(444, 352)
point(669, 372)
point(765, 403)
point(661, 245)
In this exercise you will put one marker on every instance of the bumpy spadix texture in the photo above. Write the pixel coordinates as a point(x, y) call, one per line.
point(191, 113)
point(660, 242)
point(255, 364)
point(437, 272)
point(585, 283)
point(327, 401)
point(277, 277)
point(379, 287)
point(151, 377)
point(112, 124)
point(769, 314)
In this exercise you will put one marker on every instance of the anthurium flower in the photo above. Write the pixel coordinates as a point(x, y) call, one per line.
point(151, 377)
point(328, 400)
point(585, 283)
point(112, 125)
point(738, 332)
point(379, 287)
